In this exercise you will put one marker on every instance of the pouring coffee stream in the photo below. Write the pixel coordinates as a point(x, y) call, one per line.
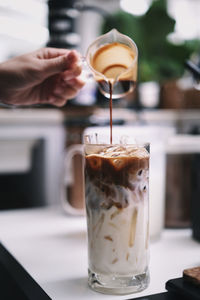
point(110, 87)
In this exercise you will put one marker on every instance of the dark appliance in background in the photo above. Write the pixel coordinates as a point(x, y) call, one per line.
point(195, 201)
point(179, 188)
point(62, 22)
point(25, 189)
point(194, 69)
point(182, 206)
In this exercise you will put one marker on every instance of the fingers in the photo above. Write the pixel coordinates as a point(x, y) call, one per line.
point(48, 52)
point(75, 71)
point(66, 90)
point(62, 63)
point(75, 84)
point(61, 69)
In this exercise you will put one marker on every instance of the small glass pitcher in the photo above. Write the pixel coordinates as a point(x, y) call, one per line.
point(112, 59)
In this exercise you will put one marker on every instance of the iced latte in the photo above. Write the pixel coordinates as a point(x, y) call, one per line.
point(116, 187)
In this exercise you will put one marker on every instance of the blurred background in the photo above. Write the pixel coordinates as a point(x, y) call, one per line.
point(34, 142)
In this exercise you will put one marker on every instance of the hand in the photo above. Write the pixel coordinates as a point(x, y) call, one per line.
point(48, 75)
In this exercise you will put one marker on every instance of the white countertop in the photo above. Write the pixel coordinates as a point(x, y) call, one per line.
point(53, 249)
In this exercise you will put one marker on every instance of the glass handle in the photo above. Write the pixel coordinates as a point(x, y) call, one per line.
point(86, 74)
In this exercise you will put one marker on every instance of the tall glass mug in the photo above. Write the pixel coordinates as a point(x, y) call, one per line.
point(112, 59)
point(116, 194)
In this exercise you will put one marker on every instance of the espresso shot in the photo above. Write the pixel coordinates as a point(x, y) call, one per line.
point(112, 59)
point(116, 63)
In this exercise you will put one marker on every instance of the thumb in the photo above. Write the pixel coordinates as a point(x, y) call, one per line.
point(59, 64)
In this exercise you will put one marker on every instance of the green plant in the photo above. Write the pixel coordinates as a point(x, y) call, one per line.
point(159, 59)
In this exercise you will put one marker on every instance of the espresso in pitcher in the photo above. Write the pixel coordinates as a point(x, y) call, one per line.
point(113, 61)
